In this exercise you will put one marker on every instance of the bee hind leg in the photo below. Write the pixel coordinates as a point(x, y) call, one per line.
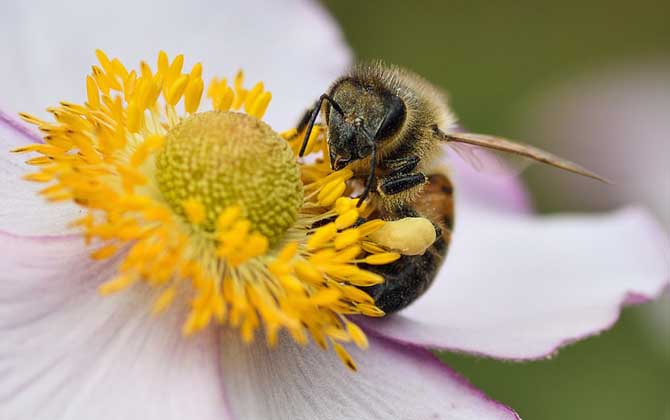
point(407, 278)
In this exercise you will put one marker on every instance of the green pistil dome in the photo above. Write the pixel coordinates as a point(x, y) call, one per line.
point(227, 158)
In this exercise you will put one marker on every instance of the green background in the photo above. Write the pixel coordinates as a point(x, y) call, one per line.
point(491, 56)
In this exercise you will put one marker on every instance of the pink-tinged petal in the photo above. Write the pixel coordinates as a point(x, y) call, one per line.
point(68, 353)
point(294, 46)
point(20, 132)
point(392, 382)
point(520, 287)
point(616, 119)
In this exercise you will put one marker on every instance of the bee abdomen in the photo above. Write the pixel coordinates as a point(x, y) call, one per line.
point(406, 279)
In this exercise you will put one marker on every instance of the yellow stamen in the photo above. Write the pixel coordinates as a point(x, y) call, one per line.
point(382, 258)
point(116, 284)
point(322, 235)
point(104, 252)
point(357, 335)
point(164, 300)
point(195, 211)
point(346, 238)
point(346, 219)
point(331, 192)
point(344, 356)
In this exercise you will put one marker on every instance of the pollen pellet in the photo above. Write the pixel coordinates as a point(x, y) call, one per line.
point(409, 236)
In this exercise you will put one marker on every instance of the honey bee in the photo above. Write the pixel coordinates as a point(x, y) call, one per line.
point(386, 124)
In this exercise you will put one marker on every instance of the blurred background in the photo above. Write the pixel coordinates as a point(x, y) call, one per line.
point(589, 80)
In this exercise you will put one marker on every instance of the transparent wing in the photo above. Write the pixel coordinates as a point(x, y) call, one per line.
point(466, 144)
point(490, 161)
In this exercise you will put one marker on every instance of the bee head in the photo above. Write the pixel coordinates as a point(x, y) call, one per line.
point(360, 117)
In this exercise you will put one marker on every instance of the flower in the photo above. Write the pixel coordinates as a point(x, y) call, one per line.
point(210, 205)
point(515, 286)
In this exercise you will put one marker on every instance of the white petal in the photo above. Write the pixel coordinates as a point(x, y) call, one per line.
point(519, 287)
point(392, 382)
point(294, 46)
point(68, 353)
point(22, 211)
point(615, 119)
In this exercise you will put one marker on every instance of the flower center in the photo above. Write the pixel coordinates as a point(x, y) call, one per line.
point(221, 159)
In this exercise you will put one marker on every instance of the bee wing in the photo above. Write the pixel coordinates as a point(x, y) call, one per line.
point(490, 161)
point(503, 145)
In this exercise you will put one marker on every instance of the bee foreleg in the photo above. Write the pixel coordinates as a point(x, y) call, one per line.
point(309, 125)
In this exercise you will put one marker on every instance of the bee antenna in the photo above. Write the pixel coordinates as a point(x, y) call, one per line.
point(373, 164)
point(312, 118)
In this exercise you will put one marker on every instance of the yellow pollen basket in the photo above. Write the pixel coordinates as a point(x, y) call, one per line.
point(211, 209)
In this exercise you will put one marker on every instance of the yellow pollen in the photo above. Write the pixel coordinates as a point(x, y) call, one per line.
point(212, 209)
point(195, 211)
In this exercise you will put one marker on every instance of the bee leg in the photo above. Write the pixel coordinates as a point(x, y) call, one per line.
point(392, 185)
point(408, 278)
point(304, 120)
point(312, 118)
point(302, 124)
point(402, 165)
point(402, 176)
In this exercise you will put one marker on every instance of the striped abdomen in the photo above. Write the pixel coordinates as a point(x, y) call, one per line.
point(409, 277)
